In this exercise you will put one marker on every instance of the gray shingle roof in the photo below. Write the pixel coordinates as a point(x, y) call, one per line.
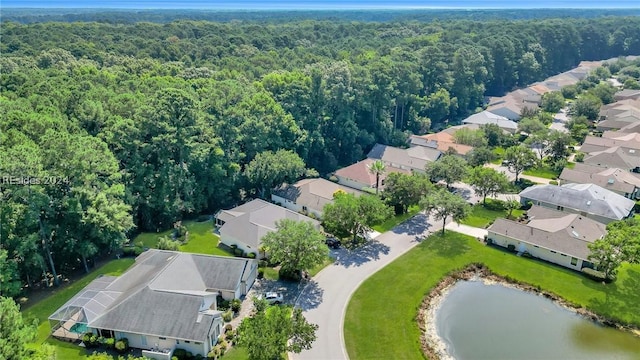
point(609, 181)
point(161, 294)
point(251, 221)
point(412, 158)
point(568, 234)
point(589, 198)
point(615, 157)
point(486, 117)
point(312, 193)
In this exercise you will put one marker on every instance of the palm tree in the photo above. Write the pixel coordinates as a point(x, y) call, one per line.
point(378, 168)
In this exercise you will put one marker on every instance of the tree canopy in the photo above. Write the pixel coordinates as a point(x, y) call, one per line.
point(442, 204)
point(352, 216)
point(295, 245)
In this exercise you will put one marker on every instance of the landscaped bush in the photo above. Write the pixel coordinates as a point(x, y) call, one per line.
point(227, 315)
point(222, 303)
point(251, 255)
point(223, 345)
point(213, 354)
point(228, 328)
point(553, 182)
point(238, 252)
point(235, 305)
point(122, 345)
point(579, 157)
point(90, 340)
point(164, 243)
point(290, 275)
point(260, 273)
point(596, 275)
point(181, 354)
point(110, 343)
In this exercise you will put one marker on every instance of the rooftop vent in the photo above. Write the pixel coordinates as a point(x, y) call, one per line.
point(610, 181)
point(575, 234)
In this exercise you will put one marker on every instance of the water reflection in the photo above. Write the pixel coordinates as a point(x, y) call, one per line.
point(479, 321)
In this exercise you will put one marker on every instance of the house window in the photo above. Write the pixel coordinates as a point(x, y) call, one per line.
point(536, 246)
point(187, 341)
point(553, 252)
point(563, 254)
point(574, 261)
point(162, 338)
point(560, 208)
point(198, 343)
point(304, 208)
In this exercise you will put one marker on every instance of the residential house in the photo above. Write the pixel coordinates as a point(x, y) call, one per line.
point(593, 144)
point(619, 181)
point(245, 225)
point(627, 94)
point(413, 159)
point(309, 196)
point(442, 141)
point(512, 105)
point(615, 157)
point(358, 176)
point(166, 300)
point(486, 117)
point(588, 200)
point(554, 236)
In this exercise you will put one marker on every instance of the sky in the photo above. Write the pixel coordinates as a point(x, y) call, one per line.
point(318, 4)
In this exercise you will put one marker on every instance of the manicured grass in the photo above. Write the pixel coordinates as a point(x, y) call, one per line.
point(236, 353)
point(397, 219)
point(271, 273)
point(44, 308)
point(405, 282)
point(543, 172)
point(202, 240)
point(483, 215)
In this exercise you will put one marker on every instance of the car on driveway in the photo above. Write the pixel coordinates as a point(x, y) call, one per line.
point(272, 297)
point(333, 243)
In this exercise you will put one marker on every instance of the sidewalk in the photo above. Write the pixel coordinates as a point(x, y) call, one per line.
point(477, 233)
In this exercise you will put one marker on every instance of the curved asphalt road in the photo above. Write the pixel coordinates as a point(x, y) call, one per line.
point(324, 300)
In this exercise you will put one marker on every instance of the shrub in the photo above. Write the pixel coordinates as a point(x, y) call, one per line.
point(181, 354)
point(110, 343)
point(198, 357)
point(228, 328)
point(213, 354)
point(122, 345)
point(263, 263)
point(222, 303)
point(138, 250)
point(579, 157)
point(164, 243)
point(89, 340)
point(229, 336)
point(223, 345)
point(251, 255)
point(511, 247)
point(553, 182)
point(238, 252)
point(260, 273)
point(596, 275)
point(235, 305)
point(227, 316)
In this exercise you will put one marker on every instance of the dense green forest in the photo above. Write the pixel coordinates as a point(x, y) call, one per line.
point(131, 127)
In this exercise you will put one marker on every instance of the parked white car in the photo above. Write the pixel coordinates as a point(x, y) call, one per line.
point(272, 297)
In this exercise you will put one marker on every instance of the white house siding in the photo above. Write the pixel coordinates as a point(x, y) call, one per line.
point(148, 342)
point(286, 203)
point(352, 183)
point(536, 251)
point(228, 240)
point(252, 274)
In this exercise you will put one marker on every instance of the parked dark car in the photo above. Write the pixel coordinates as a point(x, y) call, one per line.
point(333, 243)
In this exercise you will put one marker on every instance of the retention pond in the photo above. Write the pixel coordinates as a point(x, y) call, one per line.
point(492, 321)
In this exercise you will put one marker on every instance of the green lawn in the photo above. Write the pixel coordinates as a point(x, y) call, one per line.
point(483, 215)
point(543, 172)
point(202, 240)
point(236, 353)
point(499, 153)
point(44, 308)
point(396, 335)
point(397, 219)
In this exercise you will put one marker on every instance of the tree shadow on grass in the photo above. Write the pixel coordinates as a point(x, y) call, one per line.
point(450, 245)
point(620, 297)
point(417, 225)
point(310, 297)
point(369, 251)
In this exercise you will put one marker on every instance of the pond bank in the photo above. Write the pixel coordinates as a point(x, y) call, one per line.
point(435, 348)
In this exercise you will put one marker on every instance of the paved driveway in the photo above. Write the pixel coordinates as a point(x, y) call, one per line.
point(325, 298)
